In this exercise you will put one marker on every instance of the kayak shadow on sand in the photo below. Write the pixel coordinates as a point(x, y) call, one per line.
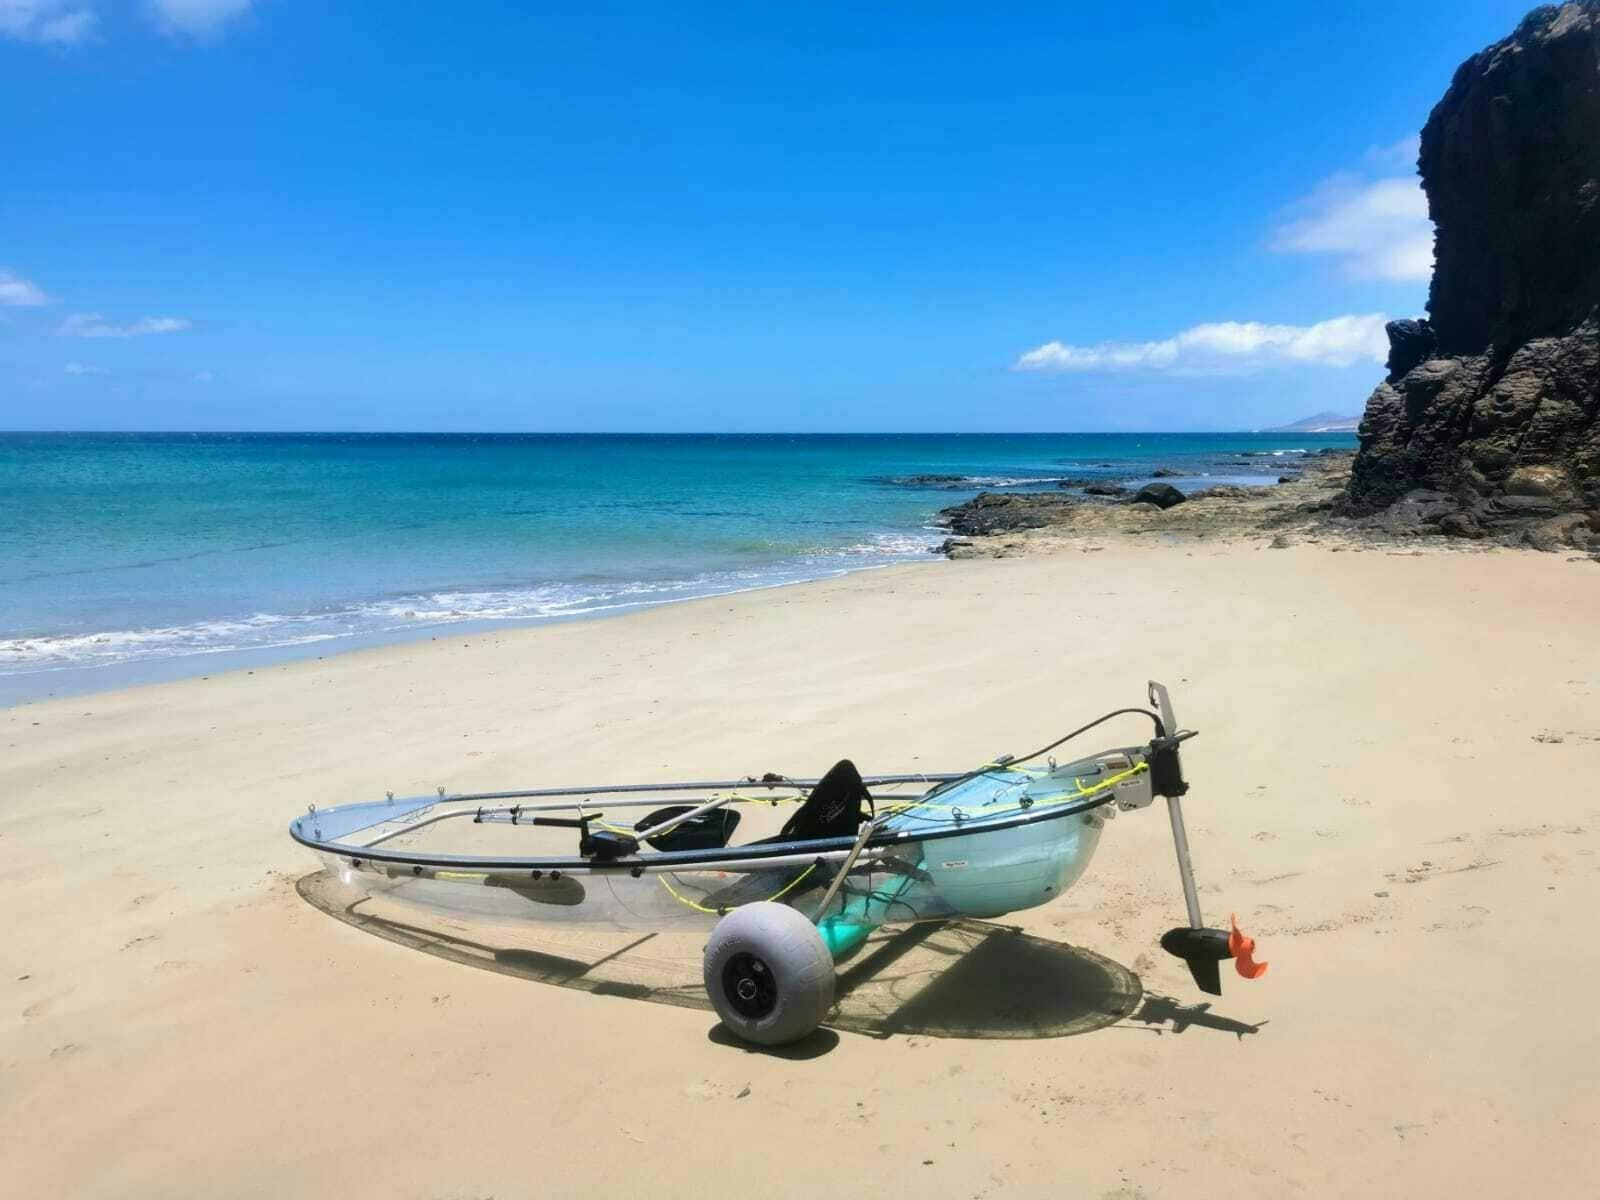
point(961, 979)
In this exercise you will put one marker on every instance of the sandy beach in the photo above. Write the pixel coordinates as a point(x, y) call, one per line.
point(1392, 788)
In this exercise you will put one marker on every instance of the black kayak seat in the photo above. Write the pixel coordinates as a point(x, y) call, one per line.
point(835, 808)
point(708, 831)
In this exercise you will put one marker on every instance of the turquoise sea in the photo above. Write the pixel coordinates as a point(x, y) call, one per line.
point(130, 557)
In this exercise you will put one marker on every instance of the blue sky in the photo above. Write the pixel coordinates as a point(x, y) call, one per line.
point(226, 214)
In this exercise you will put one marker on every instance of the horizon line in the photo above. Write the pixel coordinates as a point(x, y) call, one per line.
point(670, 432)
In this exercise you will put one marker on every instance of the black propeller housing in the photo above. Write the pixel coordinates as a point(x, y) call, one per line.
point(1203, 950)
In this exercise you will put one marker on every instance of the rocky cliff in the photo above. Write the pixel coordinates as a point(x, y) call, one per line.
point(1489, 420)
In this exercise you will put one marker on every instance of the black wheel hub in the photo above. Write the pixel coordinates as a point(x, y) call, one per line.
point(748, 984)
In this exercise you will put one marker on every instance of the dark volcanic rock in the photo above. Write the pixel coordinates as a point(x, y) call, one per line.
point(990, 512)
point(1162, 495)
point(1460, 524)
point(1105, 489)
point(1167, 473)
point(922, 480)
point(1410, 342)
point(1489, 421)
point(1510, 158)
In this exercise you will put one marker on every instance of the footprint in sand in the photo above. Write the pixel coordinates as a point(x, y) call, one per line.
point(1428, 870)
point(1266, 879)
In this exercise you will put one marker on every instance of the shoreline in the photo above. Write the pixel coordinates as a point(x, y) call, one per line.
point(499, 632)
point(259, 548)
point(1301, 503)
point(1312, 506)
point(175, 668)
point(1015, 524)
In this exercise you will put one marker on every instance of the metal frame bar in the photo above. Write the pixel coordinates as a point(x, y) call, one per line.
point(1180, 842)
point(751, 857)
point(491, 814)
point(702, 785)
point(867, 830)
point(743, 858)
point(1180, 836)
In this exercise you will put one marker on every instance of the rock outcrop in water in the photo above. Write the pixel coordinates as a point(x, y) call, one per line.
point(991, 512)
point(1489, 420)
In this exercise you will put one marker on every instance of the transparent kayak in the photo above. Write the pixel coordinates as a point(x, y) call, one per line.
point(977, 844)
point(848, 855)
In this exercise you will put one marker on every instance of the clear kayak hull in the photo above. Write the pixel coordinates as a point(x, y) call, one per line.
point(802, 883)
point(980, 845)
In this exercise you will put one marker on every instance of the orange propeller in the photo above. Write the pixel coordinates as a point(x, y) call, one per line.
point(1242, 948)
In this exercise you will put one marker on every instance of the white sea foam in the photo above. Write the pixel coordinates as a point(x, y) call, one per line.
point(392, 615)
point(1012, 480)
point(897, 544)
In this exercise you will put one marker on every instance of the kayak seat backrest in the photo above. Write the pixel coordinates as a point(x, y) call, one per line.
point(835, 808)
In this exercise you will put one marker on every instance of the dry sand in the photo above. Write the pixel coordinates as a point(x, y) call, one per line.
point(1395, 788)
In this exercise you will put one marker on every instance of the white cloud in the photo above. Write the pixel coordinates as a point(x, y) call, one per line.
point(67, 22)
point(61, 22)
point(196, 18)
point(1377, 228)
point(94, 325)
point(1225, 346)
point(1401, 156)
point(76, 368)
point(17, 292)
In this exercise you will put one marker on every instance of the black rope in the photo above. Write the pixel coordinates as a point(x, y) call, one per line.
point(1042, 750)
point(1082, 729)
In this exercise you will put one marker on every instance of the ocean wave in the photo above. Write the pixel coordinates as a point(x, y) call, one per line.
point(389, 616)
point(261, 631)
point(964, 483)
point(907, 544)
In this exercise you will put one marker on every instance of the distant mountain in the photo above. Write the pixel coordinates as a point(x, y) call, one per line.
point(1322, 422)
